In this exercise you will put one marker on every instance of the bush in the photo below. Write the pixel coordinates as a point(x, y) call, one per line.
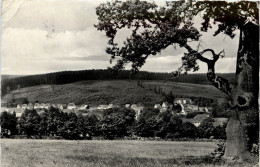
point(219, 152)
point(189, 130)
point(30, 123)
point(117, 123)
point(8, 123)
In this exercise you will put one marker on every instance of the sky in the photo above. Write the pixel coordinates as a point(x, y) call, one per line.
point(41, 36)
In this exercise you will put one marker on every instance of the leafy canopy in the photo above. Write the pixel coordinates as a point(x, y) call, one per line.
point(154, 27)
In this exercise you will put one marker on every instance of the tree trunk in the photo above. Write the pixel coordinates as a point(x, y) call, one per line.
point(244, 97)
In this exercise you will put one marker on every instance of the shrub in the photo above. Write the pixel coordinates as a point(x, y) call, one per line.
point(8, 123)
point(30, 123)
point(219, 152)
point(117, 123)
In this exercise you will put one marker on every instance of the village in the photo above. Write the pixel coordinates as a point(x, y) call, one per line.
point(185, 105)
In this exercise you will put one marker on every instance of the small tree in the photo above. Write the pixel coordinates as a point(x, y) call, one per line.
point(8, 123)
point(92, 125)
point(189, 130)
point(30, 123)
point(146, 125)
point(117, 123)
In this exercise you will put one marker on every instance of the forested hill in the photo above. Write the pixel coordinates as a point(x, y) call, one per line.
point(64, 77)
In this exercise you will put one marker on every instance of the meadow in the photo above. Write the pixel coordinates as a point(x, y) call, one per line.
point(105, 153)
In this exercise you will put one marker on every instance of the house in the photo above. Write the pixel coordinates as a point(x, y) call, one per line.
point(165, 105)
point(133, 106)
point(208, 109)
point(182, 101)
point(19, 106)
point(182, 112)
point(84, 107)
point(201, 109)
point(138, 110)
point(24, 106)
point(60, 106)
point(48, 106)
point(158, 106)
point(65, 106)
point(127, 105)
point(40, 112)
point(192, 107)
point(54, 105)
point(102, 107)
point(30, 106)
point(198, 119)
point(5, 109)
point(37, 106)
point(18, 114)
point(110, 106)
point(42, 105)
point(163, 110)
point(71, 106)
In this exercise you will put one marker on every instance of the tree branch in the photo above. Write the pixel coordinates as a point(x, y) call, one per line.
point(219, 82)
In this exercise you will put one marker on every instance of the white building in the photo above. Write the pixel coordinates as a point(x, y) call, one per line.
point(24, 106)
point(60, 106)
point(182, 101)
point(30, 106)
point(37, 106)
point(84, 107)
point(157, 106)
point(19, 106)
point(127, 105)
point(102, 107)
point(71, 106)
point(165, 105)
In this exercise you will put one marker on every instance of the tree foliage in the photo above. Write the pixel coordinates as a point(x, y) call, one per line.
point(117, 123)
point(8, 123)
point(30, 123)
point(154, 27)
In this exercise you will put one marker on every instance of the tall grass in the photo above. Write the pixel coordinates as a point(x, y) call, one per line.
point(63, 153)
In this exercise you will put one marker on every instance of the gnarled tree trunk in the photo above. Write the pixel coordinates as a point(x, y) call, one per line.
point(244, 96)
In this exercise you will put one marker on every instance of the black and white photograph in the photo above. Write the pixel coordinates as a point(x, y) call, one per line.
point(129, 83)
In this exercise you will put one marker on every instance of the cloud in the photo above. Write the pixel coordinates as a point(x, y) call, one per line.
point(53, 35)
point(31, 47)
point(62, 15)
point(172, 63)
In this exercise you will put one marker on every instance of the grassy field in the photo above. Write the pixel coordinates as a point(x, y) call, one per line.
point(187, 89)
point(64, 153)
point(116, 92)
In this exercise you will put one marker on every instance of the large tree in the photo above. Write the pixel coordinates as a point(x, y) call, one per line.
point(154, 28)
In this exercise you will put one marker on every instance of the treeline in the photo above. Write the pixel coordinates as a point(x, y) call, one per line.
point(13, 83)
point(116, 123)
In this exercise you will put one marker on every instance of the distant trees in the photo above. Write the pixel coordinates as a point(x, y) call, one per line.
point(146, 125)
point(189, 130)
point(117, 123)
point(114, 123)
point(206, 129)
point(169, 97)
point(8, 123)
point(169, 126)
point(219, 110)
point(30, 123)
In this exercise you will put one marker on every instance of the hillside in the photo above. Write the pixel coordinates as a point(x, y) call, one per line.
point(66, 77)
point(116, 92)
